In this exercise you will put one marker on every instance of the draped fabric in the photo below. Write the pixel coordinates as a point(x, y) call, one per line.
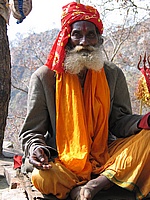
point(82, 122)
point(128, 167)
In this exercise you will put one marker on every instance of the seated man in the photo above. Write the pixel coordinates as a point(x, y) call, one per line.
point(79, 133)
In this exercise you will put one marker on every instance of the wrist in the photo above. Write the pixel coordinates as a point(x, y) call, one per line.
point(144, 123)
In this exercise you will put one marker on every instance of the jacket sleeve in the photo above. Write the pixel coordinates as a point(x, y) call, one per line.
point(122, 123)
point(36, 124)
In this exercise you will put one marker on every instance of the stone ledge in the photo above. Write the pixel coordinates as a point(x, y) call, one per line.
point(9, 173)
point(16, 194)
point(20, 188)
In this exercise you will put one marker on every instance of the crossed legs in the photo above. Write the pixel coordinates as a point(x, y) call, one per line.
point(89, 190)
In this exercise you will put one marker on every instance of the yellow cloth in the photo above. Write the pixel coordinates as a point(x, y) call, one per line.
point(82, 131)
point(82, 122)
point(57, 181)
point(127, 167)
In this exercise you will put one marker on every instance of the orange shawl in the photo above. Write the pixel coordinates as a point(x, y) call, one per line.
point(82, 122)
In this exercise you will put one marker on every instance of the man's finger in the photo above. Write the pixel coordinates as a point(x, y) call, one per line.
point(39, 153)
point(35, 163)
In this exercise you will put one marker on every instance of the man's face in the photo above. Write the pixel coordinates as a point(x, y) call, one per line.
point(83, 33)
point(84, 49)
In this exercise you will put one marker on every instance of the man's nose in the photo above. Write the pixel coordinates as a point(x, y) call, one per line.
point(84, 41)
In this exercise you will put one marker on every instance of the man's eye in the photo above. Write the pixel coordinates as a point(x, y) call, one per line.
point(77, 35)
point(91, 35)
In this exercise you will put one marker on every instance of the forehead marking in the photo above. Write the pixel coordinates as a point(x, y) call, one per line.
point(84, 27)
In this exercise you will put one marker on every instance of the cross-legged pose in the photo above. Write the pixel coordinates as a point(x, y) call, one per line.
point(79, 133)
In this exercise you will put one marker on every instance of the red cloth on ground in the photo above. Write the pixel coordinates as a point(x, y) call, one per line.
point(17, 161)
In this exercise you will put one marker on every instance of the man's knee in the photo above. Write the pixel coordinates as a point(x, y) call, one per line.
point(42, 181)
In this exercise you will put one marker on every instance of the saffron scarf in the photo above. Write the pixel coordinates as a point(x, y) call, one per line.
point(82, 122)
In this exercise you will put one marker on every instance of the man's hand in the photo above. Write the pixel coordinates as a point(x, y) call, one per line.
point(39, 159)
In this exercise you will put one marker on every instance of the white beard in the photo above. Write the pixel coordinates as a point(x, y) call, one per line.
point(80, 57)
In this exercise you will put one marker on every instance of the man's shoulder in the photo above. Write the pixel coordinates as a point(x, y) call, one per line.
point(112, 69)
point(43, 73)
point(110, 66)
point(113, 73)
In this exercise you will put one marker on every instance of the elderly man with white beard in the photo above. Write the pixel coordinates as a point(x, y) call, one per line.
point(79, 133)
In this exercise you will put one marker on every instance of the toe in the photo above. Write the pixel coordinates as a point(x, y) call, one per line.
point(85, 193)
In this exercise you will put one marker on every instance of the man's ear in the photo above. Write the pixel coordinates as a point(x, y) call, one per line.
point(69, 45)
point(101, 39)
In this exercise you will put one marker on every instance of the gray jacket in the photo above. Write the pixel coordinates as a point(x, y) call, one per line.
point(39, 126)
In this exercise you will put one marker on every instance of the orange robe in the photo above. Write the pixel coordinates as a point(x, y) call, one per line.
point(82, 135)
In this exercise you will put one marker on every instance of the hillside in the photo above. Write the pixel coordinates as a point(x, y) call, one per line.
point(30, 53)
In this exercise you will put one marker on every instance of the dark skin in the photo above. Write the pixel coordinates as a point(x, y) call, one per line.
point(82, 33)
point(39, 159)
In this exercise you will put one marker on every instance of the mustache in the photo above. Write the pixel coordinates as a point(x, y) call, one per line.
point(80, 48)
point(83, 57)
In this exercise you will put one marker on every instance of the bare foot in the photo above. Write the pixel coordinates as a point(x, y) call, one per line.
point(89, 190)
point(75, 193)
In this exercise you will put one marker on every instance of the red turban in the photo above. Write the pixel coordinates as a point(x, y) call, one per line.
point(72, 12)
